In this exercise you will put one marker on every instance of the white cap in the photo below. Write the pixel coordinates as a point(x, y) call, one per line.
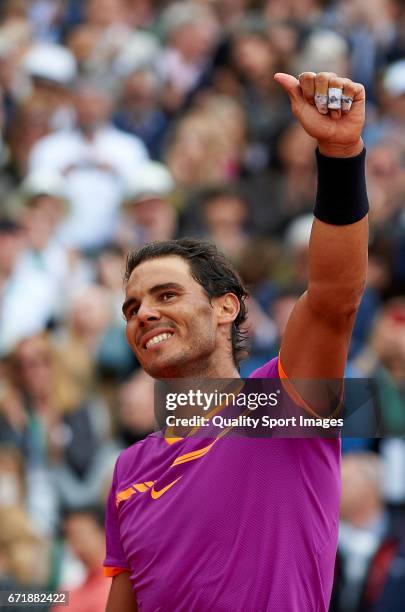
point(180, 14)
point(394, 78)
point(152, 179)
point(324, 50)
point(299, 232)
point(52, 62)
point(44, 182)
point(139, 52)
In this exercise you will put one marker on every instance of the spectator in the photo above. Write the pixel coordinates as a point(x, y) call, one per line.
point(95, 159)
point(255, 61)
point(386, 182)
point(370, 28)
point(43, 208)
point(84, 534)
point(29, 122)
point(136, 417)
point(52, 70)
point(60, 432)
point(93, 339)
point(207, 147)
point(191, 31)
point(369, 543)
point(148, 213)
point(109, 274)
point(26, 559)
point(225, 217)
point(105, 42)
point(307, 12)
point(296, 155)
point(139, 112)
point(324, 51)
point(296, 243)
point(21, 284)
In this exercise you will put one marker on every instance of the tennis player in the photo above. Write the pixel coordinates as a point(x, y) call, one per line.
point(242, 524)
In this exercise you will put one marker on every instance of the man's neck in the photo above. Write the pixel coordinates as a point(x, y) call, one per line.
point(89, 132)
point(222, 368)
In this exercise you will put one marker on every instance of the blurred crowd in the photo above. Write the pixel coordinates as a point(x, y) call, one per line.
point(126, 121)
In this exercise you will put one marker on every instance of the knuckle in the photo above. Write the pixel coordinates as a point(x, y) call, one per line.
point(308, 89)
point(336, 82)
point(305, 76)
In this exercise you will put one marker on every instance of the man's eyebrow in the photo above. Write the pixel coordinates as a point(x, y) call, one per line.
point(163, 286)
point(155, 289)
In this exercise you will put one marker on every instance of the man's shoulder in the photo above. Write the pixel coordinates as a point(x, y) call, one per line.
point(135, 453)
point(61, 144)
point(61, 137)
point(115, 137)
point(268, 370)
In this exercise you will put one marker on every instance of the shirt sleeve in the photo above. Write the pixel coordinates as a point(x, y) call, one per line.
point(274, 369)
point(115, 561)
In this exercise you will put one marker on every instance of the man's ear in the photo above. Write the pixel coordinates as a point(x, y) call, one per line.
point(227, 307)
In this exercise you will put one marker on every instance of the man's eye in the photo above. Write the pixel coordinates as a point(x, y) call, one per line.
point(132, 312)
point(167, 296)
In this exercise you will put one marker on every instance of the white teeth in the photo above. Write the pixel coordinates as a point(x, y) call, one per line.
point(157, 339)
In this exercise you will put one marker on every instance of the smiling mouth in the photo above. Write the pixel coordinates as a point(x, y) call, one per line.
point(158, 339)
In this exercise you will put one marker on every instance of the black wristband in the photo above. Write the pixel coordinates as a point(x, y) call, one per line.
point(341, 197)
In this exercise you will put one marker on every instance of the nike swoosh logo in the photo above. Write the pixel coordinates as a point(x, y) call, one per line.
point(157, 494)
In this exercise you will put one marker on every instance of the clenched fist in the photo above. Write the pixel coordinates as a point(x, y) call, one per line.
point(329, 108)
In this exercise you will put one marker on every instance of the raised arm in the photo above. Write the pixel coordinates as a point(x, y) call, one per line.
point(317, 336)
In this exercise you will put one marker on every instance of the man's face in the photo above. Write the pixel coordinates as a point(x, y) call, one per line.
point(171, 324)
point(92, 109)
point(86, 538)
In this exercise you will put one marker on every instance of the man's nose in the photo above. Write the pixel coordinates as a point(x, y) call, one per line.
point(147, 313)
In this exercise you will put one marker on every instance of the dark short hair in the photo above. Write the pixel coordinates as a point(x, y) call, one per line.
point(210, 268)
point(217, 192)
point(94, 511)
point(9, 226)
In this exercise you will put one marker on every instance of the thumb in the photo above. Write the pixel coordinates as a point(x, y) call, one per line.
point(290, 85)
